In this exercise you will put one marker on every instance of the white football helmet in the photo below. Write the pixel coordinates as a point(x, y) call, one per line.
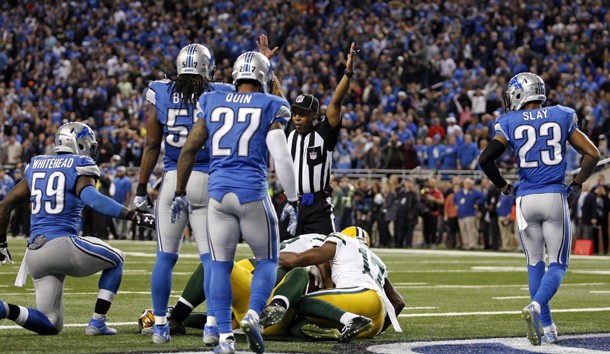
point(358, 233)
point(196, 59)
point(76, 138)
point(254, 66)
point(523, 88)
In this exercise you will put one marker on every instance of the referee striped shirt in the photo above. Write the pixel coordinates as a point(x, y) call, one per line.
point(312, 155)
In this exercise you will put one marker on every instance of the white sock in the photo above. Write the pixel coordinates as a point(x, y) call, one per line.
point(348, 316)
point(551, 328)
point(210, 321)
point(224, 336)
point(536, 306)
point(254, 314)
point(160, 320)
point(97, 316)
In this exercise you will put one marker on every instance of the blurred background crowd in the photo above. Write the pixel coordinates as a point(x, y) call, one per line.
point(427, 89)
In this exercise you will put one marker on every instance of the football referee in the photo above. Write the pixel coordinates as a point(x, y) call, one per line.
point(311, 145)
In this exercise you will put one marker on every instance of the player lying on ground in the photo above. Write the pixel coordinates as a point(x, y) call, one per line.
point(362, 287)
point(59, 187)
point(241, 278)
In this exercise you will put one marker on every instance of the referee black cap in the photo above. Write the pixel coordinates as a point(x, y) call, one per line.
point(307, 102)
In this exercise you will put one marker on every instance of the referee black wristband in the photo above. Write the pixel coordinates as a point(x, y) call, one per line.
point(349, 74)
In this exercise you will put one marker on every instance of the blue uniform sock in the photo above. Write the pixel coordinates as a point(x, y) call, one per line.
point(548, 287)
point(263, 282)
point(221, 294)
point(111, 279)
point(38, 323)
point(206, 260)
point(535, 274)
point(161, 281)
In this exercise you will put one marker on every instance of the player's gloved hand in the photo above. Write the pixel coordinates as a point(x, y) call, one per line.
point(5, 254)
point(573, 192)
point(511, 189)
point(317, 277)
point(142, 219)
point(290, 210)
point(181, 203)
point(142, 199)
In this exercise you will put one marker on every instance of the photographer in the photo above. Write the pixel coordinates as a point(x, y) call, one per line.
point(432, 200)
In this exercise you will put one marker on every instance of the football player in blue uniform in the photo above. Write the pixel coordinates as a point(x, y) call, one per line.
point(171, 116)
point(539, 135)
point(58, 188)
point(242, 127)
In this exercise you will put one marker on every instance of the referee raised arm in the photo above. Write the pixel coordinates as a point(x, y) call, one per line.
point(311, 145)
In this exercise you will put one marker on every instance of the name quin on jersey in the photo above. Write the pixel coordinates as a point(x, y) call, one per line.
point(540, 114)
point(53, 163)
point(238, 98)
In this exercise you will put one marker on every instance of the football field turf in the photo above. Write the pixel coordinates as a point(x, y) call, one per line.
point(449, 295)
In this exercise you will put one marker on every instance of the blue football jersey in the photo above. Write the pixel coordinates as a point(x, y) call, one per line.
point(177, 119)
point(237, 124)
point(56, 209)
point(538, 137)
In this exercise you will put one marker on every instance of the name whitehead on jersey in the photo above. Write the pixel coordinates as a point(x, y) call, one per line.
point(53, 163)
point(540, 114)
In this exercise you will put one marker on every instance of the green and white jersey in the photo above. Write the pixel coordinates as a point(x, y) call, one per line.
point(302, 243)
point(355, 265)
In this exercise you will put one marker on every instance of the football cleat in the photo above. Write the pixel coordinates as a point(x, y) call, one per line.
point(210, 335)
point(551, 337)
point(98, 327)
point(161, 334)
point(532, 323)
point(176, 328)
point(272, 315)
point(355, 326)
point(254, 333)
point(316, 332)
point(226, 347)
point(146, 322)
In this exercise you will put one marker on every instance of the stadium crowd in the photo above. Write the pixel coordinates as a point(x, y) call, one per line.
point(426, 92)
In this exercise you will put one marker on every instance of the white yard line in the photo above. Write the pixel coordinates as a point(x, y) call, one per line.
point(491, 313)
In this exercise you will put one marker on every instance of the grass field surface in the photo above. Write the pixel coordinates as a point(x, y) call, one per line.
point(449, 295)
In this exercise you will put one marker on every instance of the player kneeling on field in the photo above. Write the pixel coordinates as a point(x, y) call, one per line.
point(59, 187)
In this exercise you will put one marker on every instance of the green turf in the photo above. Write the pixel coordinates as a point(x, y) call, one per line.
point(433, 282)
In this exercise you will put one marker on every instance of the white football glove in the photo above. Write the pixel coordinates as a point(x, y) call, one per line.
point(313, 270)
point(181, 203)
point(5, 254)
point(290, 210)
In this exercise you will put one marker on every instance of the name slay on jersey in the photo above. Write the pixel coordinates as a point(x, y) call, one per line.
point(540, 114)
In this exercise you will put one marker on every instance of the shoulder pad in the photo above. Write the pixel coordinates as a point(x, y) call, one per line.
point(336, 238)
point(86, 166)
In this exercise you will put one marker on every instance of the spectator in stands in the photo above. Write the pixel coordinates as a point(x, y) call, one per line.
point(392, 155)
point(432, 200)
point(504, 209)
point(468, 201)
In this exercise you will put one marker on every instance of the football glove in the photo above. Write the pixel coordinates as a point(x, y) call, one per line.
point(291, 210)
point(181, 203)
point(573, 192)
point(142, 219)
point(142, 200)
point(5, 254)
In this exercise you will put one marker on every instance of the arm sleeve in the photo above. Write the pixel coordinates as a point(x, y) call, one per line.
point(278, 147)
point(100, 203)
point(494, 150)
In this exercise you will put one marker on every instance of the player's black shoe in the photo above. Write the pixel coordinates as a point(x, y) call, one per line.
point(354, 327)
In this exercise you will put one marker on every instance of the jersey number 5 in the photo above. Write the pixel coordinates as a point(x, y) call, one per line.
point(550, 156)
point(53, 191)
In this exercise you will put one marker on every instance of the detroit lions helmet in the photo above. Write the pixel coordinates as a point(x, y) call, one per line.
point(76, 138)
point(196, 59)
point(254, 66)
point(358, 233)
point(523, 88)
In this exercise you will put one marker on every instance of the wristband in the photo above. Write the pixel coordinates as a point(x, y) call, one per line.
point(141, 189)
point(179, 194)
point(577, 184)
point(349, 74)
